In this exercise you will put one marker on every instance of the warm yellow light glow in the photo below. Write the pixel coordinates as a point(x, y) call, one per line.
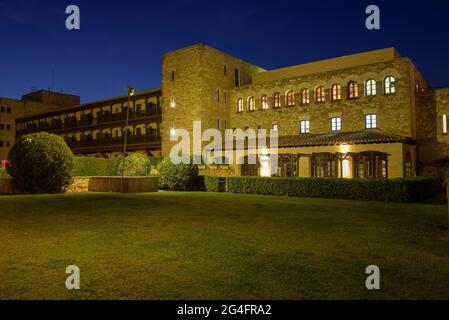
point(264, 151)
point(172, 132)
point(172, 103)
point(265, 166)
point(344, 148)
point(346, 169)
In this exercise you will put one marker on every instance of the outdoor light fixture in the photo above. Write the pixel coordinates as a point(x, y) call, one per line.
point(172, 132)
point(172, 103)
point(131, 92)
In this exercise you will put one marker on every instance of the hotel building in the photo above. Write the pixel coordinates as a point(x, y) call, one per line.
point(367, 115)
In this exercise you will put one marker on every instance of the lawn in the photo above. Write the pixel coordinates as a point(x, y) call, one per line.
point(220, 246)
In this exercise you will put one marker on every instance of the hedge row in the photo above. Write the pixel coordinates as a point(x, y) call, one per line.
point(394, 190)
point(215, 184)
point(92, 166)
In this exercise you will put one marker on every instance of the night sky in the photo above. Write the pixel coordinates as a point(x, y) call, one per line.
point(122, 42)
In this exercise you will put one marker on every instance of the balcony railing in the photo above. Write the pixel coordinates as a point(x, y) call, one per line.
point(105, 118)
point(112, 141)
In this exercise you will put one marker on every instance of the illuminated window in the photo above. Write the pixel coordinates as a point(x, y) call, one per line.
point(336, 124)
point(336, 92)
point(408, 165)
point(290, 99)
point(264, 102)
point(390, 85)
point(444, 123)
point(305, 96)
point(353, 90)
point(240, 105)
point(304, 126)
point(274, 127)
point(251, 104)
point(320, 94)
point(370, 88)
point(277, 100)
point(370, 121)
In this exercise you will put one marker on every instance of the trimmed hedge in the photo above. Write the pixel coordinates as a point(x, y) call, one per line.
point(92, 166)
point(394, 190)
point(215, 184)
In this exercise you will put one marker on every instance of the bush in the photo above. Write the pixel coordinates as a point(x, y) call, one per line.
point(3, 173)
point(394, 190)
point(136, 165)
point(92, 166)
point(177, 177)
point(40, 163)
point(215, 184)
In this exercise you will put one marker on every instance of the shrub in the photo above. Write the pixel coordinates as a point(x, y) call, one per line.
point(40, 163)
point(394, 190)
point(215, 184)
point(136, 165)
point(177, 177)
point(3, 173)
point(92, 166)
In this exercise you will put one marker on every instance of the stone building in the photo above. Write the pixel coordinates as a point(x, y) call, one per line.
point(367, 115)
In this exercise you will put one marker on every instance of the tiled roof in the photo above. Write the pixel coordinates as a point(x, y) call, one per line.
point(357, 137)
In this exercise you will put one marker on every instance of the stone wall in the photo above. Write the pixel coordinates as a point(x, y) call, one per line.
point(200, 90)
point(217, 170)
point(393, 111)
point(130, 184)
point(80, 184)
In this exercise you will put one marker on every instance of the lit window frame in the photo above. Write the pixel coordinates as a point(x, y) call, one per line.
point(304, 126)
point(336, 92)
point(320, 94)
point(371, 121)
point(335, 124)
point(264, 102)
point(240, 105)
point(290, 98)
point(389, 85)
point(277, 100)
point(251, 104)
point(305, 96)
point(370, 88)
point(353, 90)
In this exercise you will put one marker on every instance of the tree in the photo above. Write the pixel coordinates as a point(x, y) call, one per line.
point(40, 163)
point(136, 165)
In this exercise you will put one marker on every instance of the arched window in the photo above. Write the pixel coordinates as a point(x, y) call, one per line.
point(353, 90)
point(277, 100)
point(240, 105)
point(264, 102)
point(251, 104)
point(320, 94)
point(390, 85)
point(336, 92)
point(290, 99)
point(305, 96)
point(370, 88)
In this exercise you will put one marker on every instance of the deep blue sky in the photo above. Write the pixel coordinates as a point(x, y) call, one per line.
point(122, 42)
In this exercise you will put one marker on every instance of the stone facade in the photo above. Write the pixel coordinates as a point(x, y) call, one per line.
point(200, 83)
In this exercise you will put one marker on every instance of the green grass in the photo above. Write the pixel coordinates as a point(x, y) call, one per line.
point(220, 246)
